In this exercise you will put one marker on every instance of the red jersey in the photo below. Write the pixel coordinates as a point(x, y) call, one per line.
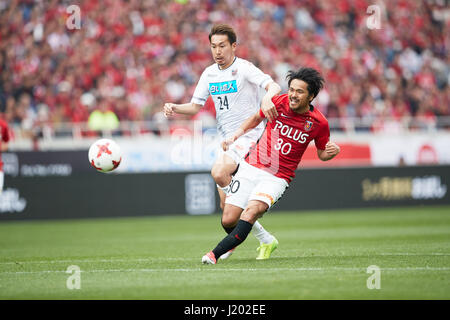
point(4, 137)
point(285, 139)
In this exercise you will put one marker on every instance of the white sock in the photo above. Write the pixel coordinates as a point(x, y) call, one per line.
point(261, 234)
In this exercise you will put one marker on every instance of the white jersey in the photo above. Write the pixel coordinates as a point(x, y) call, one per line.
point(237, 92)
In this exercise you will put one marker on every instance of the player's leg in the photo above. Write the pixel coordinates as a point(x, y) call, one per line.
point(235, 203)
point(243, 183)
point(230, 218)
point(254, 210)
point(269, 190)
point(222, 171)
point(222, 197)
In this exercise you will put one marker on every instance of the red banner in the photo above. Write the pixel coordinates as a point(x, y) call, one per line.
point(351, 155)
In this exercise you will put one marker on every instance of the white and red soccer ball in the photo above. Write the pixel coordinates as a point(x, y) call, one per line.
point(105, 155)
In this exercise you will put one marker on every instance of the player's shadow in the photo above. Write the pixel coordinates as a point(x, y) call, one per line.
point(249, 262)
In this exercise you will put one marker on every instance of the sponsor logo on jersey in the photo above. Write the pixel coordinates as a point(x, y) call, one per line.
point(290, 132)
point(223, 87)
point(234, 72)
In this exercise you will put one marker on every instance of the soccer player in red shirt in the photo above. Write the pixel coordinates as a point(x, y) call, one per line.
point(4, 138)
point(268, 169)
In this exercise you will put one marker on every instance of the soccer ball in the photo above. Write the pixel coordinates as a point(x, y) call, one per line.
point(105, 155)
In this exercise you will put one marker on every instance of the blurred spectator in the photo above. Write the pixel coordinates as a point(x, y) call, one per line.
point(137, 54)
point(103, 119)
point(4, 139)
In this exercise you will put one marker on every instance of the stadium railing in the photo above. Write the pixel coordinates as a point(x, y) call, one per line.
point(129, 129)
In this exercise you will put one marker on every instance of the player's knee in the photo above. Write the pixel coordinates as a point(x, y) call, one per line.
point(254, 211)
point(222, 170)
point(229, 221)
point(257, 207)
point(230, 216)
point(219, 175)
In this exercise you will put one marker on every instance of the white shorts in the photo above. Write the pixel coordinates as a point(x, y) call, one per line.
point(2, 177)
point(239, 149)
point(251, 183)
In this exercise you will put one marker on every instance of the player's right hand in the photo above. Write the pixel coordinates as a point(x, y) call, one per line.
point(168, 109)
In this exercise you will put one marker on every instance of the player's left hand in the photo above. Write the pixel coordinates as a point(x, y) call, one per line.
point(269, 109)
point(332, 148)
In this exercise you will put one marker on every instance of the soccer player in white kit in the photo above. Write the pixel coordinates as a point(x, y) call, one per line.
point(237, 89)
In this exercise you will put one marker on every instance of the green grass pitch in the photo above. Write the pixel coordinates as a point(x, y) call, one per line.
point(321, 255)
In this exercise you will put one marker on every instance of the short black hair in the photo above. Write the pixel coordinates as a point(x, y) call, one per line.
point(311, 76)
point(223, 29)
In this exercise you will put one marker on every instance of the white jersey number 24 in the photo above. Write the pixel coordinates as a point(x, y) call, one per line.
point(223, 103)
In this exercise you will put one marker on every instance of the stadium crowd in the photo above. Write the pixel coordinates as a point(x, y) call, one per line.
point(132, 56)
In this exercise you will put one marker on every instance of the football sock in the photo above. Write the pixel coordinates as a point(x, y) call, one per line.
point(261, 234)
point(234, 238)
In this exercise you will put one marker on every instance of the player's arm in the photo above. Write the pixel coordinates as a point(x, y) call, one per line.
point(331, 150)
point(248, 125)
point(267, 106)
point(186, 108)
point(199, 98)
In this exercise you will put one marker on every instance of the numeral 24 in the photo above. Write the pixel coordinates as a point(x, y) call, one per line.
point(223, 104)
